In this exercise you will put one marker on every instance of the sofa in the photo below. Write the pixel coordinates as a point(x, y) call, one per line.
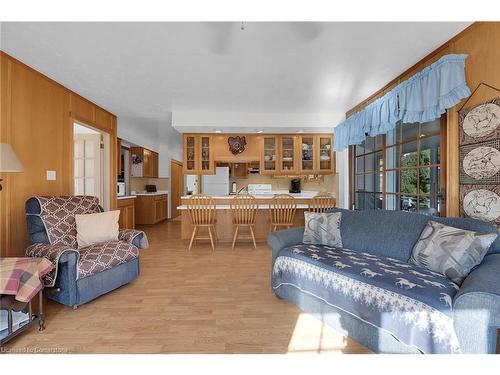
point(80, 274)
point(403, 315)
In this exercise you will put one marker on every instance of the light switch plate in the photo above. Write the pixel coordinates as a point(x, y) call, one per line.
point(51, 175)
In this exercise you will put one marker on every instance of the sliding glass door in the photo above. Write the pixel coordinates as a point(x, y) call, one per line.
point(402, 170)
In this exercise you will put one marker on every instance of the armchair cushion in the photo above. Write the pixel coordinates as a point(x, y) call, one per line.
point(103, 256)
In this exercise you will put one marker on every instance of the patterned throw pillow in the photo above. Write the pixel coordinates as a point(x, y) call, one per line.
point(450, 251)
point(322, 229)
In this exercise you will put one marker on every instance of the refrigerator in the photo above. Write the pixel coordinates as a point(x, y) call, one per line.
point(218, 184)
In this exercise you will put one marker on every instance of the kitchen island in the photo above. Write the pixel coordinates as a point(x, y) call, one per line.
point(224, 225)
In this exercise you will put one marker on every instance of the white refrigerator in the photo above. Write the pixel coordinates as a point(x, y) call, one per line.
point(218, 184)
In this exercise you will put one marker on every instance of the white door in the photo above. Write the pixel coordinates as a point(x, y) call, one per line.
point(87, 168)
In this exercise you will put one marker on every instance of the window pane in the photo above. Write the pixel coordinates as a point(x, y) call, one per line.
point(392, 181)
point(428, 128)
point(427, 205)
point(391, 202)
point(369, 201)
point(360, 164)
point(379, 181)
point(409, 181)
point(369, 182)
point(360, 201)
point(360, 182)
point(360, 149)
point(430, 150)
point(379, 161)
point(408, 202)
point(78, 169)
point(409, 155)
point(407, 132)
point(378, 202)
point(79, 188)
point(429, 179)
point(89, 186)
point(369, 144)
point(369, 163)
point(390, 137)
point(392, 157)
point(379, 141)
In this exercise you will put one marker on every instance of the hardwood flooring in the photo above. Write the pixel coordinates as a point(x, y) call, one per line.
point(198, 302)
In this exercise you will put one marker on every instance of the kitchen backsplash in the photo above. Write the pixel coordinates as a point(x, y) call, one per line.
point(327, 183)
point(139, 183)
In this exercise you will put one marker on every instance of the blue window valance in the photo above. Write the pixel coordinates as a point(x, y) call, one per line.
point(422, 98)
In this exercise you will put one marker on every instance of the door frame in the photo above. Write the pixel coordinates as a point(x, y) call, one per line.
point(173, 206)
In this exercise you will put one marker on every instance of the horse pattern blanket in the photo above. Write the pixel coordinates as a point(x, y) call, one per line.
point(412, 303)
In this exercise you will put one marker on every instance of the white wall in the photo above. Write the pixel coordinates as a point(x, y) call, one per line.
point(158, 136)
point(154, 135)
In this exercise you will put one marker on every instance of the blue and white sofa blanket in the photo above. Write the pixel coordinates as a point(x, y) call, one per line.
point(412, 303)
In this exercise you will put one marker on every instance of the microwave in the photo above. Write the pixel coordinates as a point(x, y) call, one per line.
point(120, 189)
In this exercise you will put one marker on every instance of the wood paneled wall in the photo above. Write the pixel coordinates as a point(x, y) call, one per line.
point(481, 41)
point(37, 116)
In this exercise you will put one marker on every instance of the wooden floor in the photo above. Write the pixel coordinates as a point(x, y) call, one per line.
point(198, 302)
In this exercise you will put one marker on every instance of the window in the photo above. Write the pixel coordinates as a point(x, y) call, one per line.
point(401, 170)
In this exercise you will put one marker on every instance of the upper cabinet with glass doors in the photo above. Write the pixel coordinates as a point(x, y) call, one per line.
point(198, 154)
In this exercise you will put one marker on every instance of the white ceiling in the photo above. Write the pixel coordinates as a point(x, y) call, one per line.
point(273, 76)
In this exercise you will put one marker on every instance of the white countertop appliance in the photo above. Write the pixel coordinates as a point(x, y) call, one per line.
point(216, 184)
point(260, 189)
point(120, 189)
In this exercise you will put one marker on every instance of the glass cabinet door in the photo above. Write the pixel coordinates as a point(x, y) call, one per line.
point(307, 154)
point(206, 156)
point(269, 153)
point(325, 162)
point(190, 153)
point(287, 153)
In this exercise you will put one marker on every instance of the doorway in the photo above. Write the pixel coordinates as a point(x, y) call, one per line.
point(91, 163)
point(176, 186)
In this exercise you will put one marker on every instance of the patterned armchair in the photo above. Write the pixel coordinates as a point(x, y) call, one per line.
point(80, 274)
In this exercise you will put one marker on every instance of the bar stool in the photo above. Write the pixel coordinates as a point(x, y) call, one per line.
point(322, 202)
point(201, 210)
point(282, 211)
point(244, 209)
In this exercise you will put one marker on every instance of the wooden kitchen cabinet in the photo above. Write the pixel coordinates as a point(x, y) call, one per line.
point(118, 156)
point(287, 156)
point(198, 154)
point(269, 155)
point(144, 162)
point(307, 146)
point(151, 208)
point(324, 155)
point(127, 213)
point(276, 154)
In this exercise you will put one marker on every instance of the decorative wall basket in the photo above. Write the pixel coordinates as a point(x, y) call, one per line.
point(236, 144)
point(480, 161)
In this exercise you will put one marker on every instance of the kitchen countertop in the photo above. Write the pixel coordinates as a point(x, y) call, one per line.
point(302, 195)
point(126, 197)
point(260, 207)
point(159, 192)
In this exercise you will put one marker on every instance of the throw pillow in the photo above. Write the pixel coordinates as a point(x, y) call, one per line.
point(97, 228)
point(322, 228)
point(450, 251)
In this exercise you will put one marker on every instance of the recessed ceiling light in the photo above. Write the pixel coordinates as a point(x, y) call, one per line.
point(300, 131)
point(260, 131)
point(218, 131)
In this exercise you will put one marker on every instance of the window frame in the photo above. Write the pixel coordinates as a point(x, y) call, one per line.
point(441, 194)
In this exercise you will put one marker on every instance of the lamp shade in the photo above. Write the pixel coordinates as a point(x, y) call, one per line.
point(8, 159)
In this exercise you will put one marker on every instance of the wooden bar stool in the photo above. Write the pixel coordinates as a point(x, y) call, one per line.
point(244, 210)
point(202, 211)
point(282, 211)
point(322, 202)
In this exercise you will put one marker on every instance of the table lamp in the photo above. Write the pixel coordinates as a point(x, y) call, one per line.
point(8, 160)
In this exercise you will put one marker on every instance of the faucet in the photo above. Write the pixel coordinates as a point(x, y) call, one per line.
point(245, 188)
